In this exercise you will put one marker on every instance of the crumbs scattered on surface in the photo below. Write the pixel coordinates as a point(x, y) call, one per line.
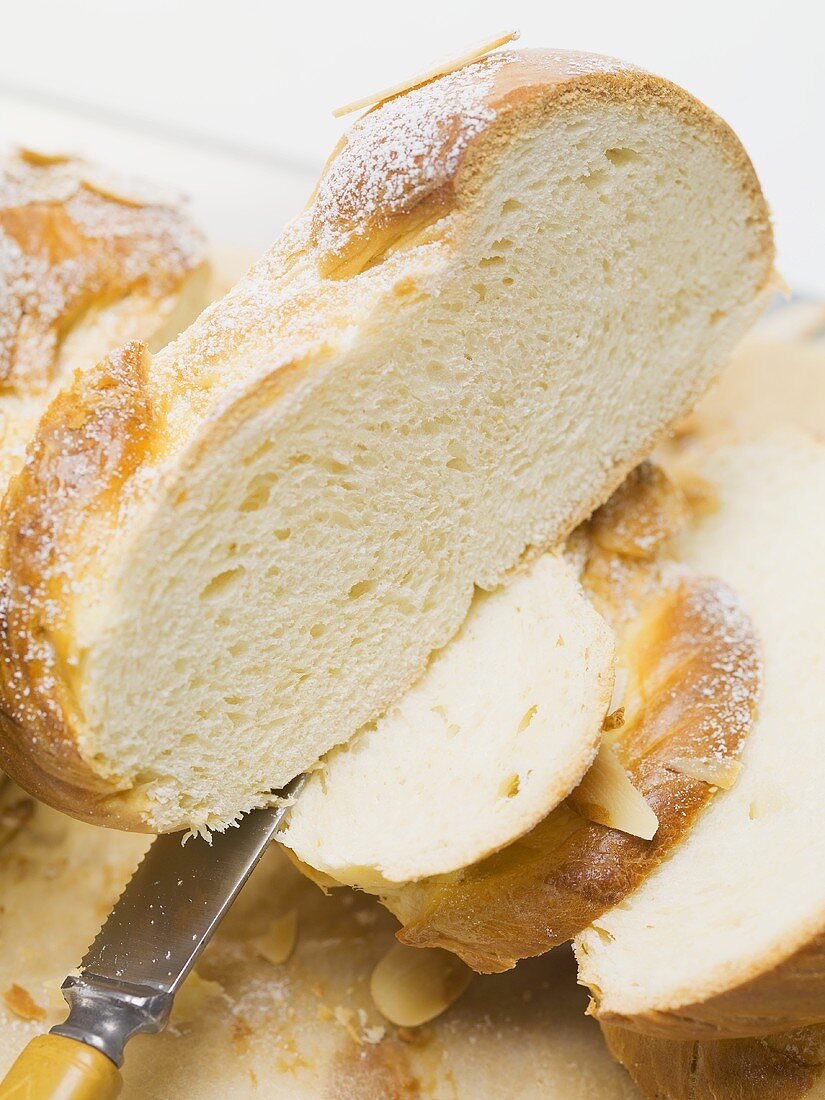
point(22, 1004)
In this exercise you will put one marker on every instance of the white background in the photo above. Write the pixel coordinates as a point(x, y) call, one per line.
point(232, 99)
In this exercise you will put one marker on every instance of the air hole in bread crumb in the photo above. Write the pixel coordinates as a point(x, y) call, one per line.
point(621, 157)
point(221, 581)
point(717, 315)
point(595, 180)
point(258, 493)
point(361, 588)
point(282, 533)
point(509, 789)
point(317, 630)
point(511, 206)
point(491, 261)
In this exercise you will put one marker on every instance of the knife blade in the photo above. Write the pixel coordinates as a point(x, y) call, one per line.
point(159, 926)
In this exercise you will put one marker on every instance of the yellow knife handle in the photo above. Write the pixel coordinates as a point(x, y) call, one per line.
point(53, 1067)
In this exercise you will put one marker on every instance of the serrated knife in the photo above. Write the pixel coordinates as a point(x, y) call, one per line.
point(149, 943)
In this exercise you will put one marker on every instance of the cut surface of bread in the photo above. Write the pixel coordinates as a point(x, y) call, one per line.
point(496, 733)
point(87, 261)
point(306, 1028)
point(727, 937)
point(266, 529)
point(787, 1066)
point(691, 668)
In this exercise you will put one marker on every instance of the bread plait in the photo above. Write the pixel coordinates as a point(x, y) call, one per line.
point(417, 383)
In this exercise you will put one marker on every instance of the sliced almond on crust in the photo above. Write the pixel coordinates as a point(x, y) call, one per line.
point(39, 159)
point(607, 796)
point(438, 68)
point(718, 773)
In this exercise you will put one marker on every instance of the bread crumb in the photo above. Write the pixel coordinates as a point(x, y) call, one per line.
point(22, 1004)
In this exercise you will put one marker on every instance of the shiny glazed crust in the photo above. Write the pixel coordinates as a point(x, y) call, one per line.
point(363, 207)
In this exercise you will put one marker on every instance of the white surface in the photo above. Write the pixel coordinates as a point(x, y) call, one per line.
point(261, 76)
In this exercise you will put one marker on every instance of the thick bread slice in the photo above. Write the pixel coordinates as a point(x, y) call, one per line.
point(88, 261)
point(509, 282)
point(496, 733)
point(728, 937)
point(691, 669)
point(787, 1066)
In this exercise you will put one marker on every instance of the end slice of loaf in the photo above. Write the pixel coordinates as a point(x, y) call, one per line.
point(509, 282)
point(728, 937)
point(497, 732)
point(787, 1066)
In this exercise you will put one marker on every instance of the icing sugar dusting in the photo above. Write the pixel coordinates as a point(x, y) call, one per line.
point(69, 242)
point(400, 152)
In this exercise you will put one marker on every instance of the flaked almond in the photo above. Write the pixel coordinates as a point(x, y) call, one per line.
point(278, 943)
point(22, 1004)
point(606, 796)
point(411, 985)
point(438, 68)
point(718, 773)
point(38, 159)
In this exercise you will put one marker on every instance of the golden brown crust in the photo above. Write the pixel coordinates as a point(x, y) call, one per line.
point(413, 157)
point(365, 204)
point(788, 992)
point(90, 441)
point(790, 1066)
point(689, 643)
point(73, 242)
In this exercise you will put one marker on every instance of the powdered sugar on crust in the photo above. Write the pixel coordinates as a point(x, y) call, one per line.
point(73, 239)
point(403, 155)
point(400, 153)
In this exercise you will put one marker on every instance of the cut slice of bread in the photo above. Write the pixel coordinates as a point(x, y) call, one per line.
point(500, 728)
point(690, 667)
point(787, 1066)
point(509, 282)
point(304, 1028)
point(88, 261)
point(728, 937)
